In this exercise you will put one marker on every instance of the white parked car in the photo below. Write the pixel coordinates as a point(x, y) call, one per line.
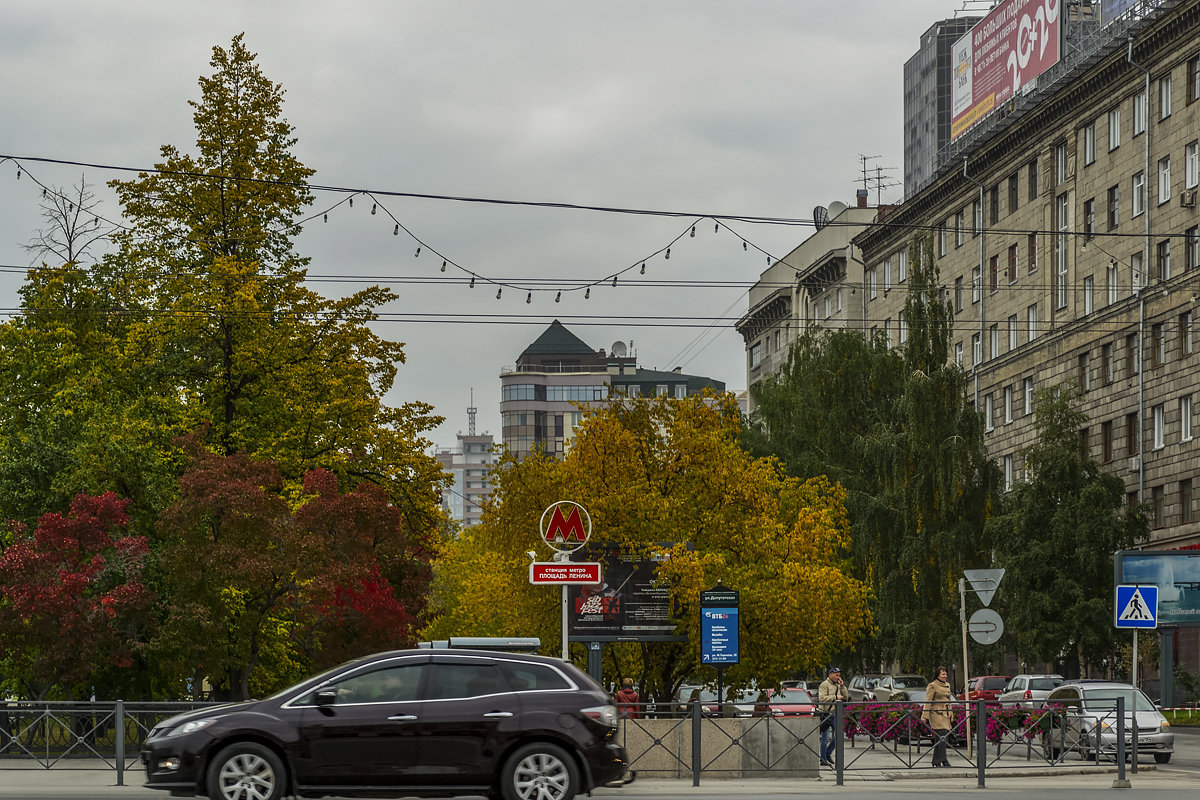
point(1029, 691)
point(1088, 721)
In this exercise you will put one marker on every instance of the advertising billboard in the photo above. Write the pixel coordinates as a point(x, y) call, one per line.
point(1011, 46)
point(1176, 573)
point(628, 603)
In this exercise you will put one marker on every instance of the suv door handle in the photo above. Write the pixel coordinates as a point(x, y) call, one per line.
point(497, 715)
point(402, 717)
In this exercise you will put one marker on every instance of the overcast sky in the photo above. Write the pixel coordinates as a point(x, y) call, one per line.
point(758, 108)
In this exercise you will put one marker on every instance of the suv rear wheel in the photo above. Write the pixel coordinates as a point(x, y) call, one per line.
point(246, 771)
point(539, 771)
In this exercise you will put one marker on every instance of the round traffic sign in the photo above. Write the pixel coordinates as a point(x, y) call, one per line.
point(985, 626)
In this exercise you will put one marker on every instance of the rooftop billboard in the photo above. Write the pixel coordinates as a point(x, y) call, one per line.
point(1011, 46)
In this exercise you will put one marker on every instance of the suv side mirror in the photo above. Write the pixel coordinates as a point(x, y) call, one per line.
point(326, 697)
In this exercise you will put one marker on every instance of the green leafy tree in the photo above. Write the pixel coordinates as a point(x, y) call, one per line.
point(897, 429)
point(1055, 537)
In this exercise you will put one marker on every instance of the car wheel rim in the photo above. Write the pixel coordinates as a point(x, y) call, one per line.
point(541, 776)
point(246, 776)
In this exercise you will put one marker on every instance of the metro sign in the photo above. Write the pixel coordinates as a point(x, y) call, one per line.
point(562, 573)
point(570, 524)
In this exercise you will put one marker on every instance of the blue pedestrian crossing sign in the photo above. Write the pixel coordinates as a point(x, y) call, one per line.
point(1137, 606)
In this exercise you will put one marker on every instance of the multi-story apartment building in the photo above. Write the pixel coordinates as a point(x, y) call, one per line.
point(807, 287)
point(469, 463)
point(540, 396)
point(1066, 239)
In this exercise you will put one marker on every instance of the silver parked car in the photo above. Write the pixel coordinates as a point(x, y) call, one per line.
point(1088, 722)
point(1029, 691)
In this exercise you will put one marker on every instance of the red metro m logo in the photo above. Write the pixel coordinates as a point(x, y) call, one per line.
point(569, 528)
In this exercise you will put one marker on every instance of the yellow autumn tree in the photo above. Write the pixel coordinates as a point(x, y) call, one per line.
point(669, 470)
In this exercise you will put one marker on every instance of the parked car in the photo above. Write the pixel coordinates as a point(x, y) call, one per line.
point(738, 703)
point(812, 686)
point(900, 687)
point(1029, 691)
point(861, 686)
point(790, 702)
point(986, 687)
point(403, 723)
point(1089, 707)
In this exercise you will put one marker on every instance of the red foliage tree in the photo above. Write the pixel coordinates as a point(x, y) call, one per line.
point(71, 596)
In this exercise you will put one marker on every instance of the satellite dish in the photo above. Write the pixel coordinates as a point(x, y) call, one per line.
point(820, 217)
point(618, 349)
point(836, 208)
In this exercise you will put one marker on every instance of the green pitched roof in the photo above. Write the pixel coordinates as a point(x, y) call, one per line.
point(557, 340)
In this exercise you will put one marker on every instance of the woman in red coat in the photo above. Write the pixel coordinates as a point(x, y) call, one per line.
point(627, 701)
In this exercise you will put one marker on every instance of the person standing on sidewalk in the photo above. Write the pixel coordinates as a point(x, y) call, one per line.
point(627, 701)
point(830, 691)
point(938, 714)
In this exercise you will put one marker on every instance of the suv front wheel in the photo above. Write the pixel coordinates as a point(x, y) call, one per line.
point(246, 771)
point(539, 771)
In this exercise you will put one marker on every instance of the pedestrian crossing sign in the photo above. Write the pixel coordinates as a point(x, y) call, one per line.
point(1137, 606)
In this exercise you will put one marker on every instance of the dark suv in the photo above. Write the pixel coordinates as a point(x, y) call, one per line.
point(405, 723)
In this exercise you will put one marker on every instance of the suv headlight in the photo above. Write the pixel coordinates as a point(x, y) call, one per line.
point(191, 726)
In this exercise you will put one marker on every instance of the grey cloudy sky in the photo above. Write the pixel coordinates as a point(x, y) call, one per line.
point(755, 108)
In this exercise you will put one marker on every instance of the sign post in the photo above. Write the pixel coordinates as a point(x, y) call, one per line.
point(719, 628)
point(568, 529)
point(985, 625)
point(1136, 607)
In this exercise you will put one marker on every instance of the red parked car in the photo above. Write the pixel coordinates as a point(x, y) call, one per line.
point(788, 702)
point(987, 687)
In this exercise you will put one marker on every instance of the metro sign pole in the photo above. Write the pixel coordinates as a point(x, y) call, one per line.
point(569, 528)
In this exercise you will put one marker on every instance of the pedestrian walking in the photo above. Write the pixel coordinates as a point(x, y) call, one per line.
point(830, 691)
point(627, 701)
point(938, 714)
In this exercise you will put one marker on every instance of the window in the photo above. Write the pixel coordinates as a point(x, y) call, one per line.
point(1060, 163)
point(1158, 345)
point(976, 284)
point(1033, 179)
point(1137, 276)
point(1008, 473)
point(1106, 363)
point(1028, 392)
point(1089, 218)
point(1012, 333)
point(1131, 434)
point(1114, 128)
point(1164, 180)
point(1013, 192)
point(660, 390)
point(1191, 248)
point(1132, 362)
point(1157, 422)
point(1012, 263)
point(1139, 113)
point(1157, 499)
point(994, 205)
point(1106, 441)
point(887, 331)
point(887, 275)
point(988, 411)
point(994, 340)
point(942, 240)
point(959, 224)
point(755, 354)
point(976, 218)
point(1112, 276)
point(994, 274)
point(1114, 206)
point(902, 329)
point(1139, 193)
point(1193, 80)
point(1032, 318)
point(873, 282)
point(1089, 294)
point(1089, 144)
point(958, 354)
point(901, 266)
point(1186, 347)
point(681, 390)
point(1185, 418)
point(1084, 371)
point(1185, 501)
point(1191, 167)
point(1085, 443)
point(1164, 97)
point(977, 351)
point(958, 295)
point(1032, 248)
point(1162, 261)
point(1062, 250)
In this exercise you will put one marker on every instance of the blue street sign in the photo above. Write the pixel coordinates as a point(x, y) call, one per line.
point(719, 629)
point(1136, 606)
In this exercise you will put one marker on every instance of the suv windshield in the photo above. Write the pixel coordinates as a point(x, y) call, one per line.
point(1106, 700)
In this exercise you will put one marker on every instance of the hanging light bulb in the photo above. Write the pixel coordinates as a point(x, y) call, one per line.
point(498, 291)
point(693, 233)
point(643, 269)
point(587, 293)
point(668, 254)
point(373, 205)
point(352, 201)
point(529, 297)
point(325, 218)
point(558, 297)
point(614, 280)
point(396, 230)
point(472, 284)
point(744, 244)
point(418, 253)
point(443, 265)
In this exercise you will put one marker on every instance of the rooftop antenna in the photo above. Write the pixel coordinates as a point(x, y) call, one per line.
point(471, 410)
point(866, 172)
point(877, 178)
